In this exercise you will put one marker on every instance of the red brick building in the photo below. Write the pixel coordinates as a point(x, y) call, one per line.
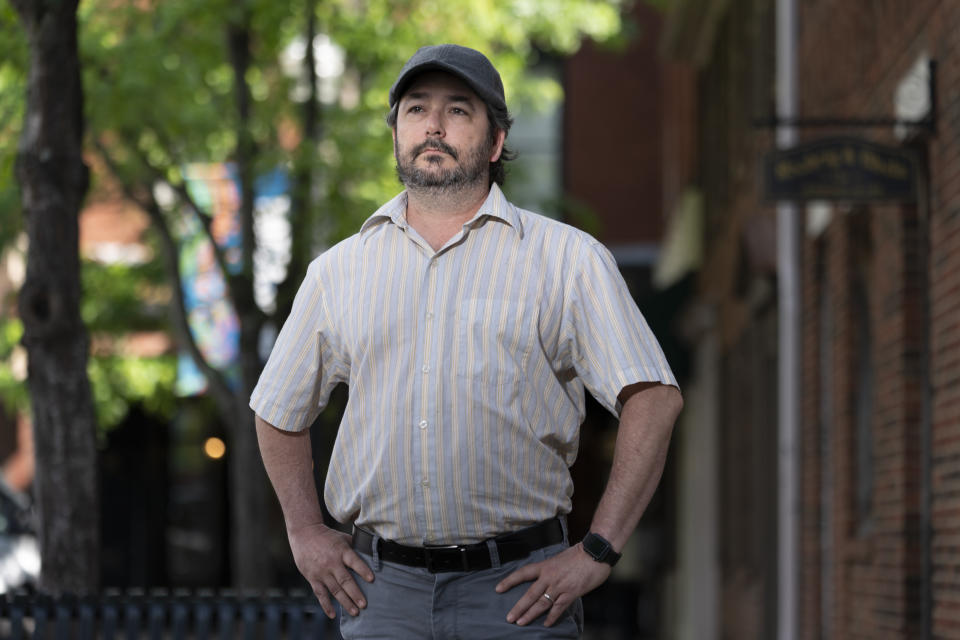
point(881, 311)
point(878, 448)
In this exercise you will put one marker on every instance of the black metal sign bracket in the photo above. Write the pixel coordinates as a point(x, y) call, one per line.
point(928, 123)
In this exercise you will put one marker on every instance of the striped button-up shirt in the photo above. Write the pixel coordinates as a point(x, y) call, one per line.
point(466, 369)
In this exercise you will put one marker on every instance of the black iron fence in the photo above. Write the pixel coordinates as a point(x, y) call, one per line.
point(165, 616)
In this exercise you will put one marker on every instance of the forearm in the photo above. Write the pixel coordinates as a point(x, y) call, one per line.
point(646, 422)
point(321, 554)
point(288, 460)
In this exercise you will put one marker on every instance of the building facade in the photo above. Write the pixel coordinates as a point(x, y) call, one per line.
point(877, 505)
point(881, 339)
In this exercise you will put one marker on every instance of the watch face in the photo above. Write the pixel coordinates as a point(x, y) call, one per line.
point(600, 549)
point(596, 545)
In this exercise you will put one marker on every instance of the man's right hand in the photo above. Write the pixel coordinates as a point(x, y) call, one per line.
point(323, 555)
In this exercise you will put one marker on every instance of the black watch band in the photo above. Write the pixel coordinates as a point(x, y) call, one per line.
point(599, 549)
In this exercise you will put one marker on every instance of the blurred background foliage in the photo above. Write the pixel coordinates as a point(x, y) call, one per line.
point(160, 94)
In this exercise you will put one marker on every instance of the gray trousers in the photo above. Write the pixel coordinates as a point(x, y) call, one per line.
point(407, 603)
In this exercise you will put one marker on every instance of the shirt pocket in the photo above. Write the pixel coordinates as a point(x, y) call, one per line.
point(493, 339)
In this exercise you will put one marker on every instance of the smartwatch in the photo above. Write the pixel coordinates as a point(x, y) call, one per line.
point(599, 549)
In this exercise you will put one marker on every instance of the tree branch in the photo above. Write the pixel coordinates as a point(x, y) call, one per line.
point(300, 200)
point(205, 221)
point(159, 175)
point(207, 224)
point(238, 43)
point(145, 200)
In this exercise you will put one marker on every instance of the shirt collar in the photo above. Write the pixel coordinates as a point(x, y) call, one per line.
point(495, 206)
point(393, 211)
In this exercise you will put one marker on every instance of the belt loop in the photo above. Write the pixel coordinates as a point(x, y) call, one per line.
point(375, 551)
point(563, 527)
point(494, 553)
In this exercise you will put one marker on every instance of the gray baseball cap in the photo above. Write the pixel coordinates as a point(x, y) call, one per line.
point(469, 65)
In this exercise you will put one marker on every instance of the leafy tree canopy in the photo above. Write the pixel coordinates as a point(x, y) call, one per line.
point(120, 307)
point(160, 94)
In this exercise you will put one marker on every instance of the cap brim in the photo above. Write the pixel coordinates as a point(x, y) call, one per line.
point(403, 83)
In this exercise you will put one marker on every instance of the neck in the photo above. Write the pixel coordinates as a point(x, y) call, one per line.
point(437, 214)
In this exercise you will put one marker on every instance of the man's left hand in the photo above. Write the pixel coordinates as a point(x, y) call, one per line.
point(564, 578)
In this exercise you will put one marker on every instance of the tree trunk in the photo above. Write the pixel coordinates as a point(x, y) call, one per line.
point(53, 181)
point(253, 525)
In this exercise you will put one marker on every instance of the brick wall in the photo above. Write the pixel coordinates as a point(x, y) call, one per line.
point(612, 134)
point(816, 599)
point(852, 55)
point(880, 440)
point(945, 332)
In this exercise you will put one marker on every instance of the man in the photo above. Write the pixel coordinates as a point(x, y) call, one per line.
point(466, 329)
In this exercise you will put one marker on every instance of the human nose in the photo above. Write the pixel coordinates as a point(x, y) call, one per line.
point(434, 124)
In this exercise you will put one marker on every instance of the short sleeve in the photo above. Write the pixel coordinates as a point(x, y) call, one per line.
point(606, 336)
point(303, 367)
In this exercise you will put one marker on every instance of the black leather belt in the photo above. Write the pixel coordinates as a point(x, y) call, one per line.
point(463, 557)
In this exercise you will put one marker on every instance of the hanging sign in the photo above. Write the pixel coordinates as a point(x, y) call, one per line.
point(847, 168)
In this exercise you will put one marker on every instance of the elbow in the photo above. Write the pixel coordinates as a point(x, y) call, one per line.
point(675, 402)
point(669, 405)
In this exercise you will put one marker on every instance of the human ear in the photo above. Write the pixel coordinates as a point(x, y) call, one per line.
point(501, 136)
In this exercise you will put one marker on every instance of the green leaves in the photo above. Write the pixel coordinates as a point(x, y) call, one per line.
point(159, 95)
point(119, 298)
point(13, 363)
point(13, 70)
point(159, 83)
point(120, 381)
point(123, 302)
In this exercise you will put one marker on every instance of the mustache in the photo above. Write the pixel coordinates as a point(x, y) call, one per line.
point(438, 145)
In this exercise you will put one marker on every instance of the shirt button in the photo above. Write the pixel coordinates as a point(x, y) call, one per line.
point(423, 424)
point(425, 482)
point(425, 368)
point(429, 314)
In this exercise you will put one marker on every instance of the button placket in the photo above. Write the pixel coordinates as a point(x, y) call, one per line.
point(427, 411)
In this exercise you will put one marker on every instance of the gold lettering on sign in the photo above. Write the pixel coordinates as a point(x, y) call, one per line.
point(870, 161)
point(888, 167)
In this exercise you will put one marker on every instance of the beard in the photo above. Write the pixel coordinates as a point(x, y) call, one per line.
point(471, 171)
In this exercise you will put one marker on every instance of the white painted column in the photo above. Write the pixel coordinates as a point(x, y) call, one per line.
point(698, 575)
